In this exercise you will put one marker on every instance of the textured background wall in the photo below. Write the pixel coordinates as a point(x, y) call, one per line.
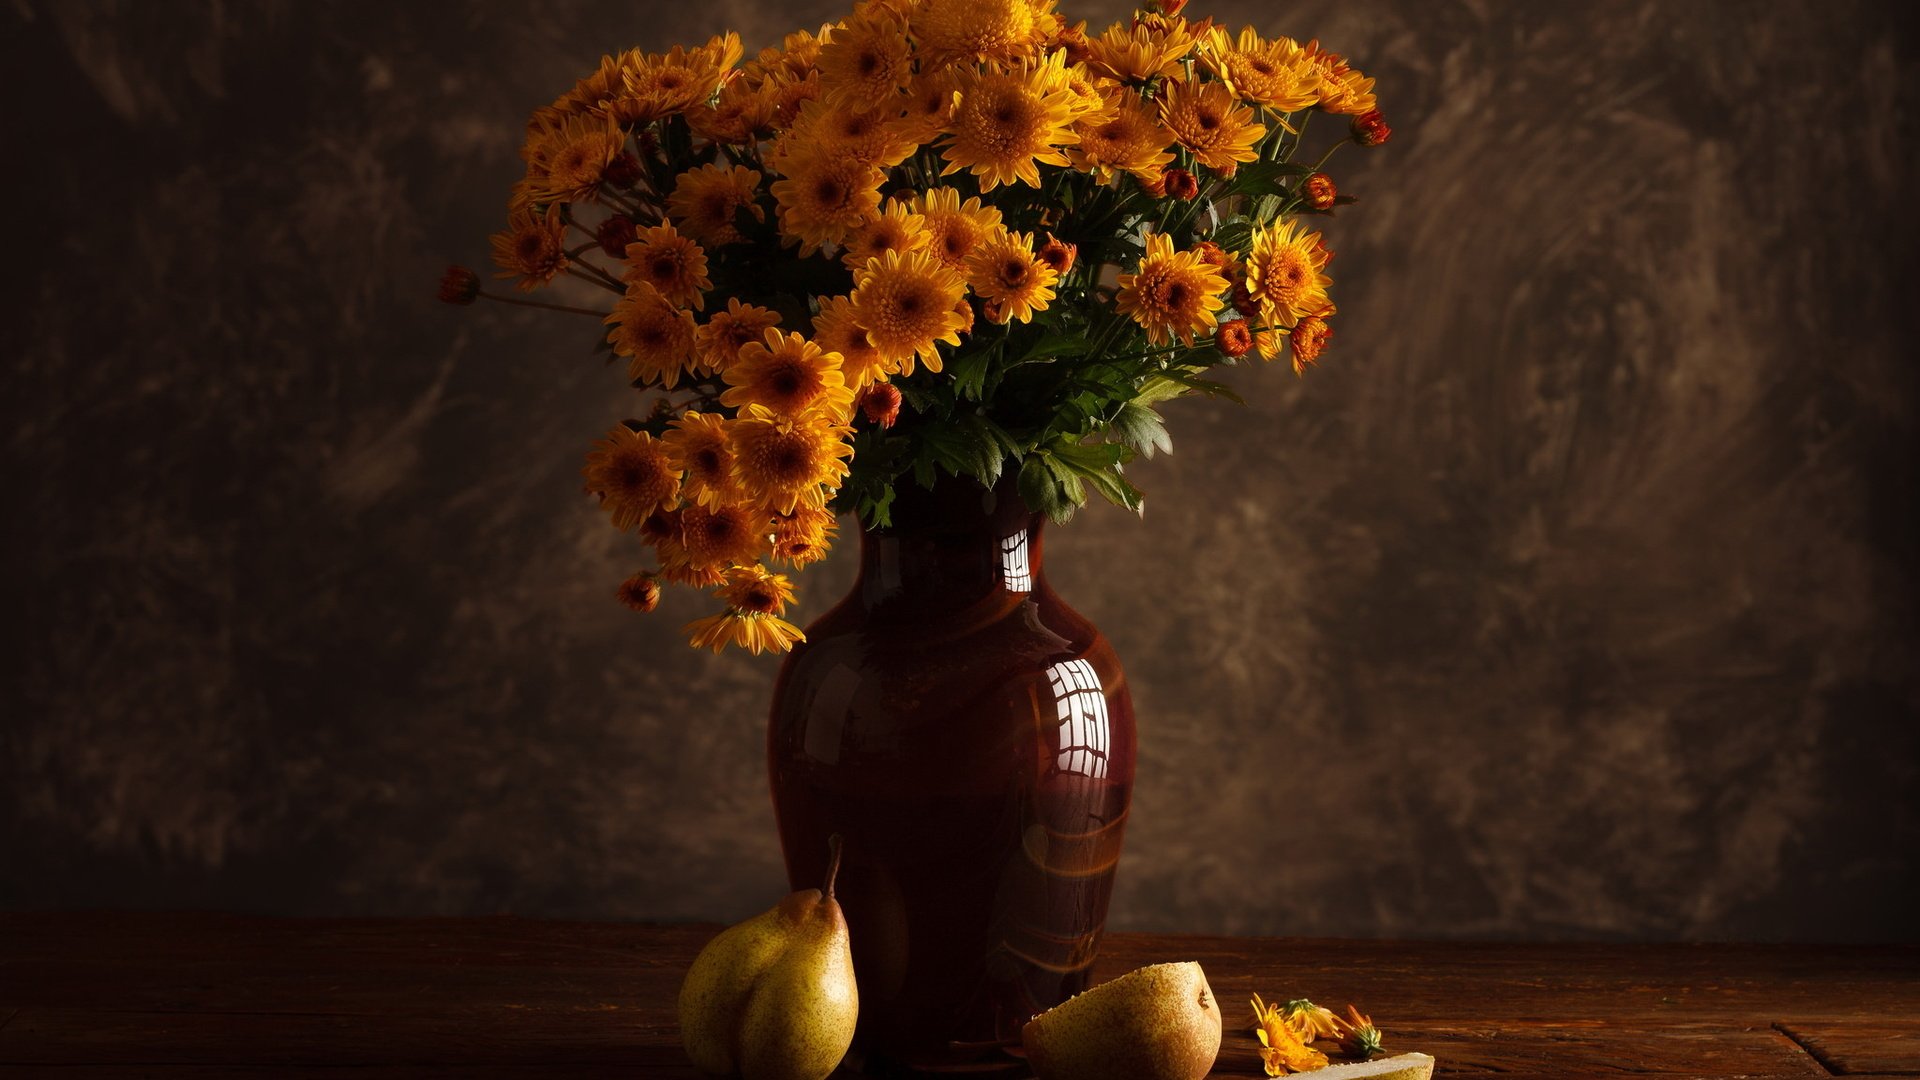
point(1573, 596)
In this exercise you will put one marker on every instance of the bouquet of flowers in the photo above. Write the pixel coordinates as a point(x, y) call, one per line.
point(939, 236)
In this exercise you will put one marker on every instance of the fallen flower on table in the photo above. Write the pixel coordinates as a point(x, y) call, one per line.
point(1282, 1050)
point(1310, 1021)
point(1358, 1036)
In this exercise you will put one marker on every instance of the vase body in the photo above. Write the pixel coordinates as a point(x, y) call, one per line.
point(971, 739)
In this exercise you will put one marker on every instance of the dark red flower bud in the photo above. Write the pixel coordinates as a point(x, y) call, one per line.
point(880, 404)
point(639, 592)
point(1370, 129)
point(1178, 183)
point(1310, 337)
point(459, 285)
point(615, 234)
point(1058, 254)
point(1318, 191)
point(623, 171)
point(1233, 338)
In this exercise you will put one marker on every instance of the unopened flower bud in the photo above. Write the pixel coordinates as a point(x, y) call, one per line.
point(459, 285)
point(639, 592)
point(1318, 191)
point(615, 234)
point(1233, 338)
point(623, 171)
point(1310, 337)
point(1058, 254)
point(1370, 129)
point(1178, 183)
point(880, 404)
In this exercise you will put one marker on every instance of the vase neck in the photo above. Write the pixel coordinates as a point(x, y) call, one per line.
point(950, 547)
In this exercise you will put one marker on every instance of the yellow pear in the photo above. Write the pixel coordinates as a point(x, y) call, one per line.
point(1158, 1023)
point(773, 998)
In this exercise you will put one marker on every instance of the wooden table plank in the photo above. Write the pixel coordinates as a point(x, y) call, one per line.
point(193, 995)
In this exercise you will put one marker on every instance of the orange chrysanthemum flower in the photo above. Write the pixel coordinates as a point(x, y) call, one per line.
point(895, 228)
point(671, 263)
point(867, 133)
point(954, 228)
point(931, 99)
point(716, 537)
point(969, 31)
point(533, 248)
point(784, 462)
point(1279, 74)
point(906, 302)
point(1211, 123)
point(707, 201)
point(824, 196)
point(803, 536)
point(1011, 121)
point(867, 59)
point(1007, 273)
point(570, 165)
point(639, 592)
point(716, 344)
point(788, 375)
point(1124, 137)
point(1174, 294)
point(666, 84)
point(696, 444)
point(1286, 276)
point(1343, 90)
point(836, 331)
point(755, 633)
point(1310, 337)
point(655, 336)
point(1141, 51)
point(631, 473)
point(757, 590)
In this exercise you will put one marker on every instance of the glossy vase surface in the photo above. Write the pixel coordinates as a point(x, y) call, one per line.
point(971, 738)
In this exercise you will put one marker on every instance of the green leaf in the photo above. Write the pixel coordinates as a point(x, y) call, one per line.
point(1041, 488)
point(1142, 429)
point(1265, 210)
point(1207, 387)
point(970, 375)
point(1158, 388)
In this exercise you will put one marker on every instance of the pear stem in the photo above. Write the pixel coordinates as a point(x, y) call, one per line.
point(833, 866)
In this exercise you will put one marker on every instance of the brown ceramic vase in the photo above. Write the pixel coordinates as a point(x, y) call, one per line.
point(971, 738)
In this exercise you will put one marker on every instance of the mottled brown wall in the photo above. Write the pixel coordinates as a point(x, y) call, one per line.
point(1572, 597)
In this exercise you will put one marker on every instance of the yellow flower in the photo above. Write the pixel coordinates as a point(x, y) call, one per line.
point(671, 263)
point(907, 303)
point(1010, 121)
point(824, 196)
point(867, 59)
point(631, 473)
point(1285, 274)
point(968, 31)
point(1173, 293)
point(789, 375)
point(895, 228)
point(1209, 121)
point(954, 228)
point(1127, 137)
point(655, 336)
point(1343, 90)
point(717, 343)
point(1005, 271)
point(567, 161)
point(696, 444)
point(784, 462)
point(533, 248)
point(931, 99)
point(804, 535)
point(1281, 1048)
point(663, 530)
point(1279, 74)
point(837, 331)
point(864, 132)
point(1141, 51)
point(740, 116)
point(755, 633)
point(717, 537)
point(667, 84)
point(1310, 1021)
point(707, 201)
point(757, 590)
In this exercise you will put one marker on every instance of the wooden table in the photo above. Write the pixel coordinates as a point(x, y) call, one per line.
point(209, 995)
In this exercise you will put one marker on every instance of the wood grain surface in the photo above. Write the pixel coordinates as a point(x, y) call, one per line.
point(1582, 570)
point(204, 995)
